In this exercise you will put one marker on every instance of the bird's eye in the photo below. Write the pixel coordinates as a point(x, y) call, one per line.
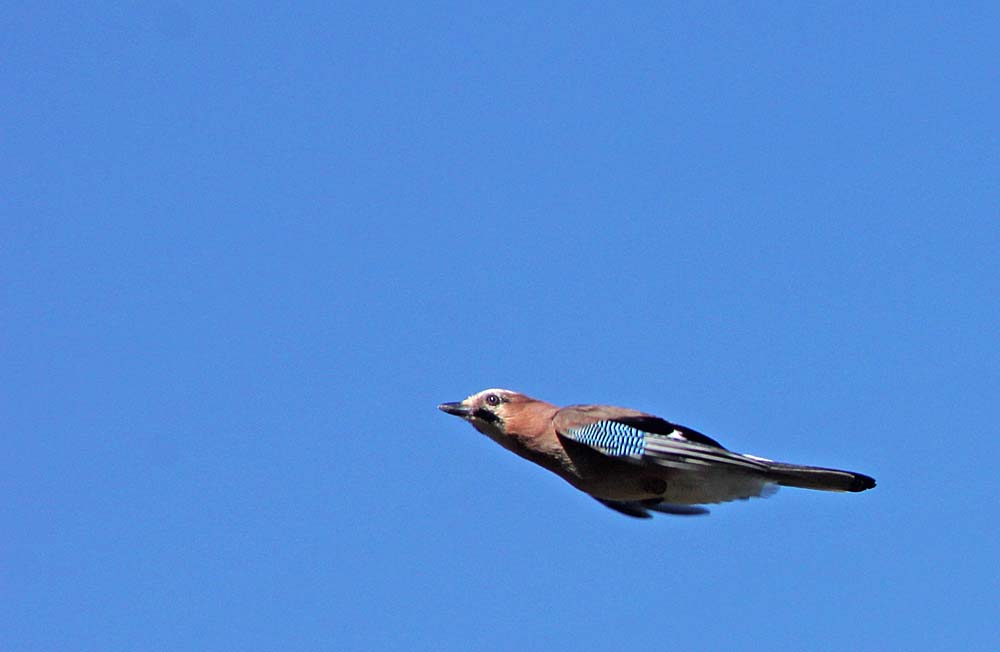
point(492, 399)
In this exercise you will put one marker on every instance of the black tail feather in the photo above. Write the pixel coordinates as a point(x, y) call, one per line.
point(814, 477)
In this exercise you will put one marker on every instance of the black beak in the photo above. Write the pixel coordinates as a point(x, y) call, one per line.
point(456, 409)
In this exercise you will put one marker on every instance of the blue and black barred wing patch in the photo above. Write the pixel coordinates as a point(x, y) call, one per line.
point(617, 439)
point(612, 438)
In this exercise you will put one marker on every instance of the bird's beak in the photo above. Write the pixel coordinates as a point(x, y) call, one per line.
point(457, 409)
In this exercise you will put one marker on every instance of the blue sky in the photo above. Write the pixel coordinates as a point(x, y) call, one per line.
point(246, 250)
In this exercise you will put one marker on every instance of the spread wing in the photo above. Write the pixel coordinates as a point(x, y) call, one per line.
point(698, 469)
point(646, 439)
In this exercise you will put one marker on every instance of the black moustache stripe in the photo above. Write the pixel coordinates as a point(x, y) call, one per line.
point(485, 415)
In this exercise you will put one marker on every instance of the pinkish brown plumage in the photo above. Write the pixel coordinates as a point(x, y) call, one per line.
point(632, 461)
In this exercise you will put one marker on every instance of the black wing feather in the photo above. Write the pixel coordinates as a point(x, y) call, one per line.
point(659, 426)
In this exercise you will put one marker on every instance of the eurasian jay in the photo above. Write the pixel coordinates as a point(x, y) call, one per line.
point(635, 462)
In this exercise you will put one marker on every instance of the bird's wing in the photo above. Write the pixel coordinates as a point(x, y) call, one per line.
point(641, 509)
point(645, 439)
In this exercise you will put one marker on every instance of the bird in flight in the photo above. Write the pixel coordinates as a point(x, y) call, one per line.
point(634, 462)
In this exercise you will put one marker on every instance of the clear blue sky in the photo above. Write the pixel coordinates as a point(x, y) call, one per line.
point(246, 251)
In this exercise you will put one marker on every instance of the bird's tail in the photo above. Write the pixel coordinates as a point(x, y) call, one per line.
point(814, 477)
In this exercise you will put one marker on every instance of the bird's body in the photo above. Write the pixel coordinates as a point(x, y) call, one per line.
point(632, 461)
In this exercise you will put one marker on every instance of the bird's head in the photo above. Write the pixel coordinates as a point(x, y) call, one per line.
point(517, 422)
point(489, 410)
